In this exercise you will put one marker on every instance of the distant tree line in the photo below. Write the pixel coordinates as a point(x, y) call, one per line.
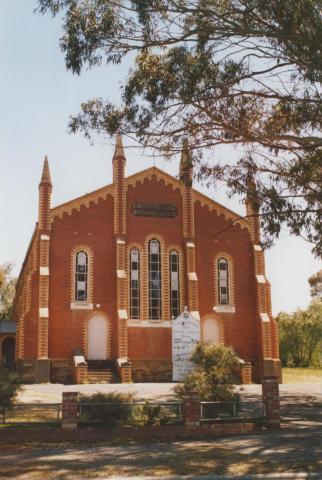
point(301, 332)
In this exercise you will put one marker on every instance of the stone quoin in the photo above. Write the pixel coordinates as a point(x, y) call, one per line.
point(106, 273)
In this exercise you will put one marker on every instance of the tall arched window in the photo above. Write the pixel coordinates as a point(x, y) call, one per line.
point(134, 283)
point(81, 277)
point(174, 284)
point(223, 281)
point(154, 280)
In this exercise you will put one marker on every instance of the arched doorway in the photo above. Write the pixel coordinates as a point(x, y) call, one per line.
point(211, 330)
point(97, 338)
point(8, 352)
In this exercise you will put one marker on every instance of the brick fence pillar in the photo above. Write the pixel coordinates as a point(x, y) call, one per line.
point(69, 409)
point(271, 399)
point(191, 409)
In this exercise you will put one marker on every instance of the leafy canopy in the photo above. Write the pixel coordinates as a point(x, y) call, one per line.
point(301, 336)
point(245, 73)
point(7, 291)
point(315, 282)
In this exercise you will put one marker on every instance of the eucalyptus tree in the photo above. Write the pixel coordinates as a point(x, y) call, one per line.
point(245, 73)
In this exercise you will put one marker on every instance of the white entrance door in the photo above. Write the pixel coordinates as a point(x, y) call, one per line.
point(211, 330)
point(97, 338)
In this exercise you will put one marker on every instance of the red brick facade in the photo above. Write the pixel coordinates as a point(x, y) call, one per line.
point(53, 325)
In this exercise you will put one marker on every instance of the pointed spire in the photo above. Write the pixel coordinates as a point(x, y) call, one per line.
point(119, 150)
point(186, 164)
point(45, 176)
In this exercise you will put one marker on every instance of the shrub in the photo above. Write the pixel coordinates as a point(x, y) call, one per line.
point(115, 413)
point(10, 385)
point(214, 374)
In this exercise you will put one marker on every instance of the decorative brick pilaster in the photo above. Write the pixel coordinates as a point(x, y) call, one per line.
point(44, 228)
point(189, 230)
point(70, 409)
point(270, 392)
point(120, 239)
point(191, 409)
point(267, 325)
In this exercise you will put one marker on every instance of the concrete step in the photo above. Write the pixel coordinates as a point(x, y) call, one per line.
point(100, 376)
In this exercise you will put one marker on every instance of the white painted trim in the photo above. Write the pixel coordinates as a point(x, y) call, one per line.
point(264, 317)
point(44, 271)
point(190, 244)
point(122, 314)
point(149, 323)
point(192, 276)
point(43, 312)
point(44, 237)
point(120, 242)
point(121, 273)
point(81, 306)
point(224, 309)
point(261, 279)
point(258, 248)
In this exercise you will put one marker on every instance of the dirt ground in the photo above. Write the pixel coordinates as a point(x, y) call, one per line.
point(288, 450)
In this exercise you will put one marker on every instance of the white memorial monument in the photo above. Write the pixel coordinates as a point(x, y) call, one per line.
point(185, 336)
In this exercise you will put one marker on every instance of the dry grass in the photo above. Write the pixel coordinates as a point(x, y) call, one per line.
point(302, 375)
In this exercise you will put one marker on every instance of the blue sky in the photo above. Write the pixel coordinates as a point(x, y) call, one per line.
point(37, 96)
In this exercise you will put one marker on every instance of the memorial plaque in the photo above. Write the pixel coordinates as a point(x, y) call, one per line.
point(185, 336)
point(166, 210)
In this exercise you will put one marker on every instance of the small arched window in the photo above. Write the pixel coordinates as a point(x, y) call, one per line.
point(174, 284)
point(154, 280)
point(223, 281)
point(81, 277)
point(134, 283)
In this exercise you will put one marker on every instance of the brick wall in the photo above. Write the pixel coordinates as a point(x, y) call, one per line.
point(90, 222)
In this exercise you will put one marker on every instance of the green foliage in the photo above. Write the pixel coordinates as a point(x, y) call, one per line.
point(111, 415)
point(241, 72)
point(10, 385)
point(7, 291)
point(315, 282)
point(114, 409)
point(301, 336)
point(214, 374)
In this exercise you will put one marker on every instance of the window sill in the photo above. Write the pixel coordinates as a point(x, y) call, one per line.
point(81, 306)
point(224, 309)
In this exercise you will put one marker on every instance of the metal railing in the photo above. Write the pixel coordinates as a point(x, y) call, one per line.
point(32, 413)
point(214, 411)
point(130, 413)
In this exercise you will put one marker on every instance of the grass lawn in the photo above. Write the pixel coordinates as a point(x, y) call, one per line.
point(302, 375)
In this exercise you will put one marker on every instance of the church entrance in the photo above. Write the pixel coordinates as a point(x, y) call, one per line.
point(211, 330)
point(97, 335)
point(8, 352)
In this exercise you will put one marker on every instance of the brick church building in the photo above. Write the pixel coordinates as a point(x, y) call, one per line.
point(106, 273)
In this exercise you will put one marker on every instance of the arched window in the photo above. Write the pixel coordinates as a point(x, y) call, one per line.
point(81, 277)
point(154, 280)
point(174, 284)
point(223, 281)
point(134, 283)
